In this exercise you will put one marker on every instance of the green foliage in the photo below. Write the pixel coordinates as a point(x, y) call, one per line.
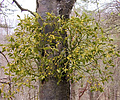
point(36, 54)
point(119, 14)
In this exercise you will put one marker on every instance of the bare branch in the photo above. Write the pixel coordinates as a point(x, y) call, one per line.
point(5, 57)
point(117, 1)
point(82, 90)
point(4, 82)
point(21, 8)
point(2, 2)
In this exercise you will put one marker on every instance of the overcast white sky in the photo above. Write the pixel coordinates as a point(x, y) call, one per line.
point(31, 4)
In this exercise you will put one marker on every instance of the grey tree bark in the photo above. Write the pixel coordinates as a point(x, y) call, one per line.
point(49, 90)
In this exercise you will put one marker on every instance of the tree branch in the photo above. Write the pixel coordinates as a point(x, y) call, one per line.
point(5, 57)
point(1, 2)
point(4, 82)
point(21, 8)
point(82, 90)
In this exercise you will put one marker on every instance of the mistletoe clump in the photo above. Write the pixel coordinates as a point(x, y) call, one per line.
point(77, 48)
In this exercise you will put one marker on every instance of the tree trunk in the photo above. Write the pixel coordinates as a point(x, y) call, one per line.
point(49, 90)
